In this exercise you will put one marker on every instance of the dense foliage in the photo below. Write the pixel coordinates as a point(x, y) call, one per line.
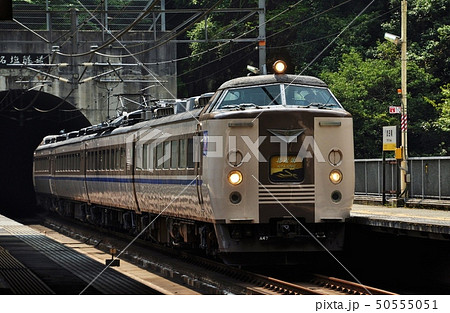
point(341, 42)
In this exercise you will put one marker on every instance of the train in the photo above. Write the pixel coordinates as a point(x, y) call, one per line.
point(260, 171)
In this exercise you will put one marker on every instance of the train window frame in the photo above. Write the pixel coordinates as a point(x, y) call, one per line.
point(167, 152)
point(308, 90)
point(219, 103)
point(182, 154)
point(190, 164)
point(174, 155)
point(284, 99)
point(145, 157)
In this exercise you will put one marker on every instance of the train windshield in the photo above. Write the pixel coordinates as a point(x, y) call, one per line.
point(277, 94)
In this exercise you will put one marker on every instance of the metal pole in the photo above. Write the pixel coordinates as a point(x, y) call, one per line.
point(163, 15)
point(262, 36)
point(404, 119)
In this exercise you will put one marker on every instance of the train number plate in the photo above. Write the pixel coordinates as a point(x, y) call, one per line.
point(286, 169)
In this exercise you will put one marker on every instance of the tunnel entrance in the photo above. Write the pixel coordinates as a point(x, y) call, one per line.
point(25, 118)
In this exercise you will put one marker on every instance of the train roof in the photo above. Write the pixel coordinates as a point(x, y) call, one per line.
point(271, 79)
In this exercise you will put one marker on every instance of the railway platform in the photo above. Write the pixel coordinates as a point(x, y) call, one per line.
point(413, 222)
point(41, 261)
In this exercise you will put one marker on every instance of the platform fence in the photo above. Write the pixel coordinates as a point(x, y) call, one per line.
point(429, 177)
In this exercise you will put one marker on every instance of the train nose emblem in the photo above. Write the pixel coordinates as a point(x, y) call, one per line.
point(287, 135)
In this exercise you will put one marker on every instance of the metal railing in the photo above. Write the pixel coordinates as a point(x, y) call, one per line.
point(45, 16)
point(429, 177)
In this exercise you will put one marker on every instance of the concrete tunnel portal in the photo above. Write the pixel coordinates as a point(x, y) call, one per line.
point(26, 117)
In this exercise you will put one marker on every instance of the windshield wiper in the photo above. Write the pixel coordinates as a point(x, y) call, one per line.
point(241, 106)
point(320, 105)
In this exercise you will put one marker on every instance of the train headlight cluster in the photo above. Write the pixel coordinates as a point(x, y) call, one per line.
point(235, 178)
point(336, 176)
point(279, 67)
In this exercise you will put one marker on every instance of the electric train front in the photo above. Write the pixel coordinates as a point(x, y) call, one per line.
point(283, 146)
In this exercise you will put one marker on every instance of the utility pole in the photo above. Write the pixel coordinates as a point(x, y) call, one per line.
point(404, 117)
point(262, 36)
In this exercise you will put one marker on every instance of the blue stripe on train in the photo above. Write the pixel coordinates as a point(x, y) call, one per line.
point(151, 181)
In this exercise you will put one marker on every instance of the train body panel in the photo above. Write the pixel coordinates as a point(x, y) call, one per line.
point(109, 171)
point(334, 138)
point(224, 139)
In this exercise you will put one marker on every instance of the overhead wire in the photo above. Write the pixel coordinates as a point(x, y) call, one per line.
point(167, 38)
point(114, 37)
point(274, 47)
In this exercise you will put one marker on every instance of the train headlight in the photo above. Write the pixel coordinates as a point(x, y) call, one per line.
point(279, 67)
point(336, 176)
point(235, 178)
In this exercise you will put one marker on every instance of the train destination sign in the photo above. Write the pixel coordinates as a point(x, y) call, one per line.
point(389, 138)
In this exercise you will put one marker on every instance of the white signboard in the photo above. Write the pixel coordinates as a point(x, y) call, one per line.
point(389, 138)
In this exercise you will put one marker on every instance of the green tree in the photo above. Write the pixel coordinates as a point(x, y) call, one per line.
point(368, 86)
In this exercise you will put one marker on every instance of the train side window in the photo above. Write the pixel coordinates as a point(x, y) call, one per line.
point(100, 160)
point(107, 163)
point(96, 160)
point(190, 153)
point(122, 158)
point(145, 156)
point(183, 153)
point(113, 159)
point(174, 154)
point(159, 156)
point(167, 154)
point(89, 161)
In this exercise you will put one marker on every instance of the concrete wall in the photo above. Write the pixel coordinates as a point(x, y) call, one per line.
point(94, 97)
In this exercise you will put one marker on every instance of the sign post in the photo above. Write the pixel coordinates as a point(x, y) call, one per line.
point(390, 143)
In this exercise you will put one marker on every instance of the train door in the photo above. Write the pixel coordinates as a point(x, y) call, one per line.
point(132, 156)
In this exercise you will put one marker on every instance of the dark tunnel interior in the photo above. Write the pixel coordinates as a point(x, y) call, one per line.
point(26, 117)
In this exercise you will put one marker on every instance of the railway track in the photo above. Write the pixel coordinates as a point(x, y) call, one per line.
point(206, 275)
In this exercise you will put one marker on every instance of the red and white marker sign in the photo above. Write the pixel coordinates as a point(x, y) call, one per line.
point(395, 110)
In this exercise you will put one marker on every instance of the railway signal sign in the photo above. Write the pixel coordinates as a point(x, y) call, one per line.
point(389, 138)
point(395, 110)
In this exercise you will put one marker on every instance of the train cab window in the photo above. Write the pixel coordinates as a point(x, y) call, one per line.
point(266, 95)
point(277, 94)
point(310, 96)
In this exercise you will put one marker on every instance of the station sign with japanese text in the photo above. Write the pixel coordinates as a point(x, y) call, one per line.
point(389, 138)
point(18, 59)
